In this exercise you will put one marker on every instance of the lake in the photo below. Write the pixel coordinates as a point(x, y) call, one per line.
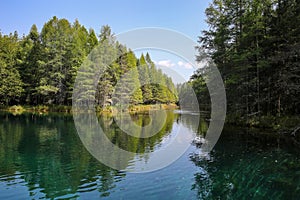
point(42, 157)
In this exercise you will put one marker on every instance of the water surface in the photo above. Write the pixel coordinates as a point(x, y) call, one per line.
point(41, 156)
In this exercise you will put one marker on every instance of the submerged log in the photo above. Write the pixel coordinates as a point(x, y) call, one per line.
point(295, 131)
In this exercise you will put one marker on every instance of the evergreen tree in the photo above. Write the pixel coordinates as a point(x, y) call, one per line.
point(11, 85)
point(30, 69)
point(144, 78)
point(128, 88)
point(41, 68)
point(256, 48)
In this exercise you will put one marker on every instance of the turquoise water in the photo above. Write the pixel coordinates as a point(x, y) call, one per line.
point(42, 157)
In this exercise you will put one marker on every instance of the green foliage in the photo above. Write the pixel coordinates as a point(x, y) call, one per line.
point(128, 89)
point(41, 67)
point(145, 79)
point(11, 85)
point(256, 47)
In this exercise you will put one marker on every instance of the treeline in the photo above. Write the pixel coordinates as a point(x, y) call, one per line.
point(40, 68)
point(256, 47)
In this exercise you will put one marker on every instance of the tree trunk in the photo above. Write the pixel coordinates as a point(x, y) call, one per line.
point(279, 105)
point(257, 75)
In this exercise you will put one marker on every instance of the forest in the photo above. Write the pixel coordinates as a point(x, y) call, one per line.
point(86, 113)
point(256, 47)
point(40, 68)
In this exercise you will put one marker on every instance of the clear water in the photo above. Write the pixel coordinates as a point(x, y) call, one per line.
point(42, 157)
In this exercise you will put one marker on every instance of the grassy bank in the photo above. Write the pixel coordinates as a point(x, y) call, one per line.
point(137, 108)
point(288, 125)
point(38, 109)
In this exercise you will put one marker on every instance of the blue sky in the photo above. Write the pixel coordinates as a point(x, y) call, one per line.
point(186, 17)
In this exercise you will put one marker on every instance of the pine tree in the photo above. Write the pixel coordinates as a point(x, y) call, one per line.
point(256, 48)
point(41, 68)
point(144, 79)
point(128, 88)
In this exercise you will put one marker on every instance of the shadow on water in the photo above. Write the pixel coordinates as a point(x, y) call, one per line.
point(248, 164)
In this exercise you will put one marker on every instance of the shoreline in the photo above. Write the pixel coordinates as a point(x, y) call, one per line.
point(44, 109)
point(286, 126)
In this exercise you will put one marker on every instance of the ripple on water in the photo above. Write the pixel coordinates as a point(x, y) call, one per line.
point(13, 179)
point(87, 187)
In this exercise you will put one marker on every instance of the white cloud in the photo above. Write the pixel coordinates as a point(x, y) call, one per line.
point(165, 63)
point(169, 63)
point(185, 65)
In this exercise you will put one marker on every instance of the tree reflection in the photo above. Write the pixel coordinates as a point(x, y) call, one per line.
point(134, 144)
point(195, 122)
point(50, 157)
